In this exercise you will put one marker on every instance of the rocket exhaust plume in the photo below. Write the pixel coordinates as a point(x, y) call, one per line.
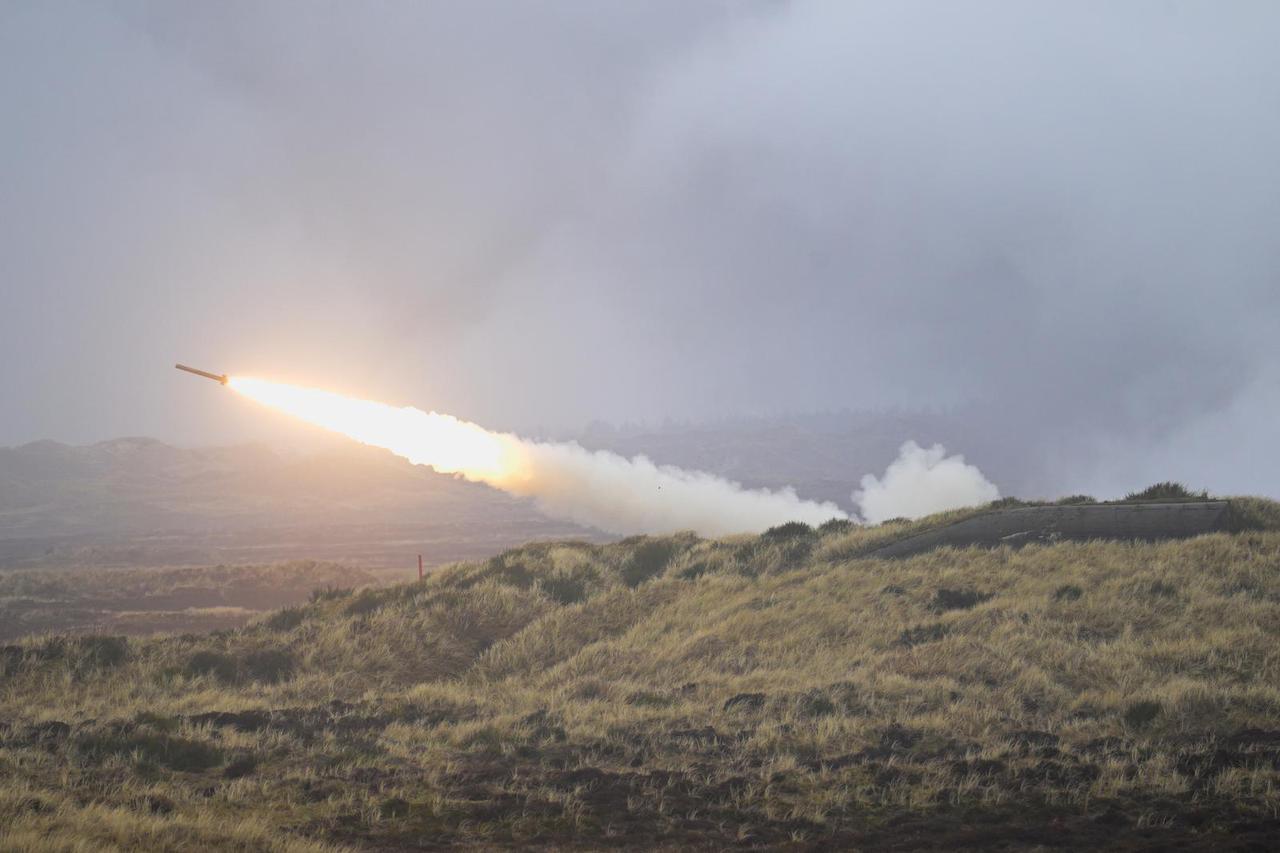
point(596, 488)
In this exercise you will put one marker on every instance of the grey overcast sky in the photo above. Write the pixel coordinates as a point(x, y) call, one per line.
point(1060, 218)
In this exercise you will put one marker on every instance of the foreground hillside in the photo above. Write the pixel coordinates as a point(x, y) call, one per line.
point(776, 691)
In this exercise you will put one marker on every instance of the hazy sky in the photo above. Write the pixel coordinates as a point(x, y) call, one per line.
point(1060, 218)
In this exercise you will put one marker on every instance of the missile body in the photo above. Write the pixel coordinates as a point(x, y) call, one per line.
point(220, 378)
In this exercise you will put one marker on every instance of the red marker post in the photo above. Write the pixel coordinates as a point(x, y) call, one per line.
point(419, 567)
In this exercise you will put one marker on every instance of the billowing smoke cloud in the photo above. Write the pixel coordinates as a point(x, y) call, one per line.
point(922, 481)
point(600, 489)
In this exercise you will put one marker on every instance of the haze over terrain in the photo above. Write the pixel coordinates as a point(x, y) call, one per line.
point(139, 502)
point(1054, 226)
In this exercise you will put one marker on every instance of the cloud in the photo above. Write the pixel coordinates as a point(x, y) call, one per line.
point(1055, 222)
point(922, 481)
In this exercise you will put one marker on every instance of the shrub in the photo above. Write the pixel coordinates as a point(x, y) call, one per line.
point(11, 658)
point(1253, 514)
point(1141, 714)
point(393, 807)
point(744, 556)
point(958, 599)
point(648, 699)
point(52, 649)
point(922, 634)
point(1167, 491)
point(178, 753)
point(269, 666)
point(1068, 592)
point(159, 722)
point(565, 589)
point(152, 748)
point(100, 652)
point(216, 664)
point(835, 525)
point(815, 703)
point(365, 603)
point(694, 570)
point(745, 701)
point(509, 574)
point(240, 767)
point(1073, 500)
point(763, 557)
point(794, 554)
point(648, 560)
point(286, 619)
point(329, 593)
point(786, 532)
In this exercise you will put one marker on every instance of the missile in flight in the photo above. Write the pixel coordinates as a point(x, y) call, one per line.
point(220, 378)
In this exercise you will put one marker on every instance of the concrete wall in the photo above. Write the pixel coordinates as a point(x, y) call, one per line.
point(1144, 521)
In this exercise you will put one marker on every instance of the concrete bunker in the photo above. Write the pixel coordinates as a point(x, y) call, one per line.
point(1017, 526)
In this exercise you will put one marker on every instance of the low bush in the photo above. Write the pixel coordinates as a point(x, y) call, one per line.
point(365, 603)
point(786, 532)
point(835, 525)
point(1167, 491)
point(509, 573)
point(213, 664)
point(1141, 714)
point(240, 767)
point(958, 599)
point(151, 748)
point(922, 634)
point(286, 619)
point(648, 560)
point(329, 593)
point(693, 571)
point(569, 587)
point(269, 666)
point(1253, 514)
point(102, 652)
point(1068, 592)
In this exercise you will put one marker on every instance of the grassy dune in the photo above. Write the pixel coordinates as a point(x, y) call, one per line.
point(779, 690)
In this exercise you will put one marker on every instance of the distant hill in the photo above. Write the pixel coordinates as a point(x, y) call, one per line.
point(141, 601)
point(141, 502)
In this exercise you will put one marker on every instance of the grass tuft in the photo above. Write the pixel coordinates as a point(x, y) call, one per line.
point(1166, 491)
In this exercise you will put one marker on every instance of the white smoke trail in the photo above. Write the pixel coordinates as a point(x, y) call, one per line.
point(921, 482)
point(609, 491)
point(595, 488)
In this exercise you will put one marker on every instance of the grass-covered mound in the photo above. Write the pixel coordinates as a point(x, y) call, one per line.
point(671, 691)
